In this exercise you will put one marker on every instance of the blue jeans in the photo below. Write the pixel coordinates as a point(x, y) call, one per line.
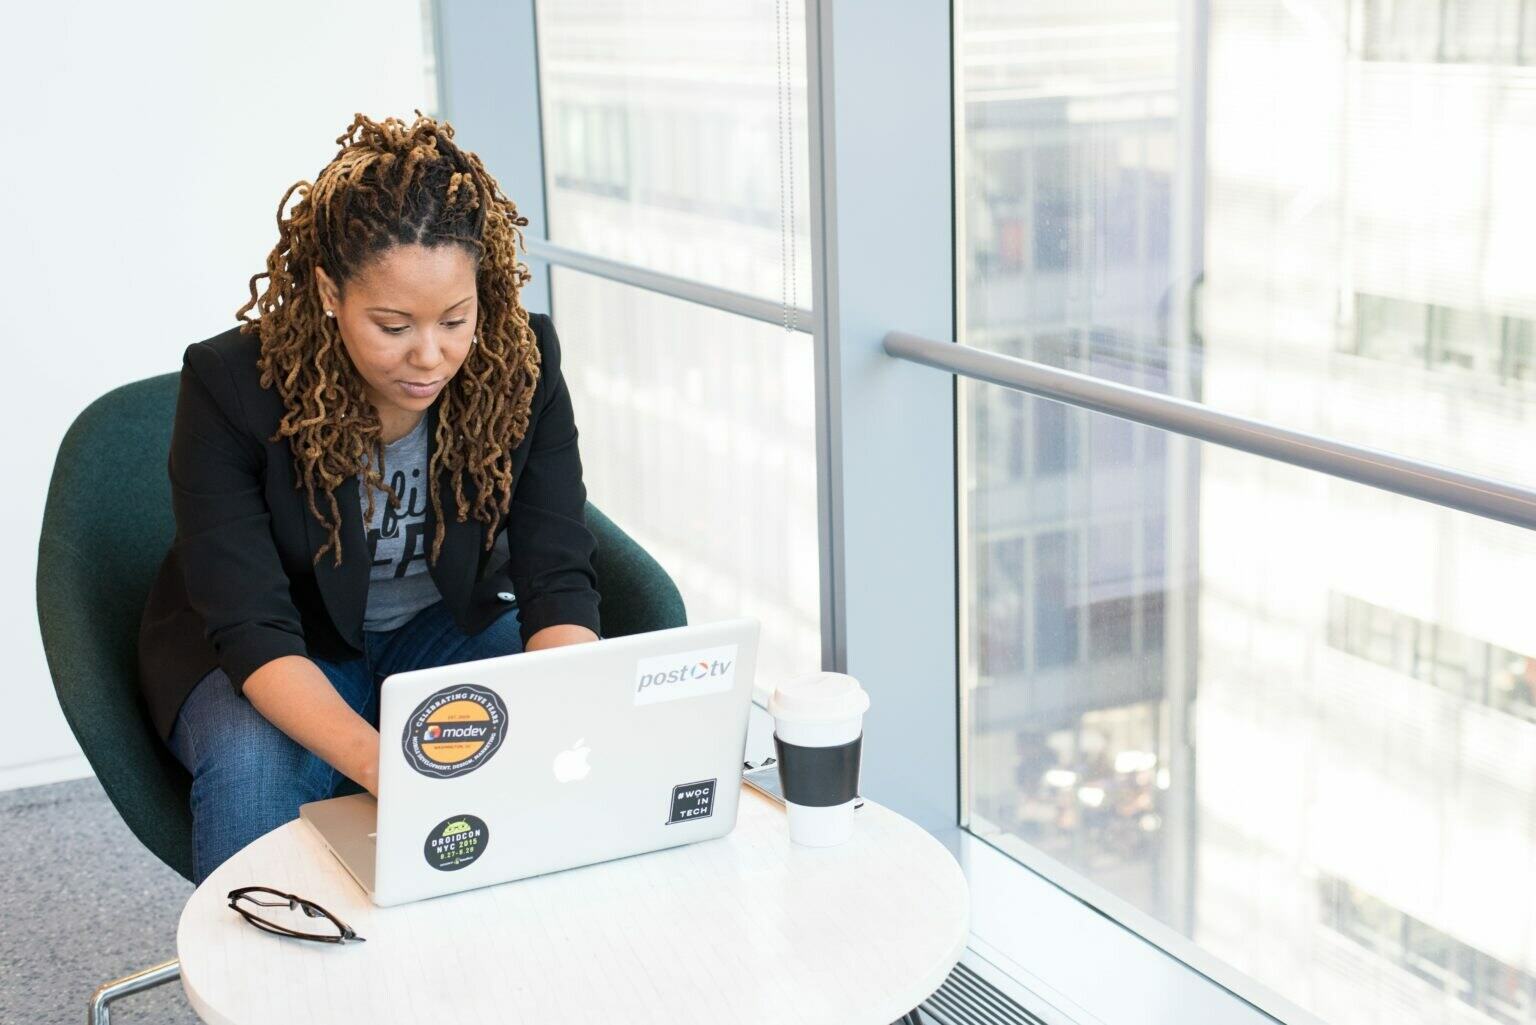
point(249, 777)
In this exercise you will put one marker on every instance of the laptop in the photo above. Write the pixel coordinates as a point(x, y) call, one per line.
point(540, 761)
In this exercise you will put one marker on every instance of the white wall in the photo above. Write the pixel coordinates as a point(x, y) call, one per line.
point(144, 151)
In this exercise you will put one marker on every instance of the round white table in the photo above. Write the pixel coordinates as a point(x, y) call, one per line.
point(745, 928)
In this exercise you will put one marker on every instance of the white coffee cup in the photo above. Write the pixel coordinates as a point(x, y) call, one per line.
point(818, 725)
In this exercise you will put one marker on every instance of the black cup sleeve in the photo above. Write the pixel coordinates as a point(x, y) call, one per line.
point(819, 777)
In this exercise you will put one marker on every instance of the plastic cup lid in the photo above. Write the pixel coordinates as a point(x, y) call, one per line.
point(818, 697)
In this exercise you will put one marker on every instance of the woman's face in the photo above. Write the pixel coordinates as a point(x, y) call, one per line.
point(406, 320)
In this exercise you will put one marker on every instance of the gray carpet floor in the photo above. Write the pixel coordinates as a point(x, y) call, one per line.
point(82, 902)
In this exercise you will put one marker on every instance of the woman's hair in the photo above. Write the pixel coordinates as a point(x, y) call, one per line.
point(391, 184)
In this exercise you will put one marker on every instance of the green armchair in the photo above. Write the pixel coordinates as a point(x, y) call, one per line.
point(106, 526)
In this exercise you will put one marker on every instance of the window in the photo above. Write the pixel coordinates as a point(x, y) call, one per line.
point(674, 141)
point(1452, 31)
point(1056, 599)
point(1482, 31)
point(1467, 339)
point(1401, 30)
point(698, 438)
point(593, 150)
point(1518, 358)
point(1467, 667)
point(666, 142)
point(1441, 338)
point(429, 43)
point(1203, 739)
point(1497, 991)
point(1392, 329)
point(1198, 682)
point(1226, 230)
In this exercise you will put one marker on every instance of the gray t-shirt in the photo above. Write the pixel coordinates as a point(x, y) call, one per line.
point(399, 585)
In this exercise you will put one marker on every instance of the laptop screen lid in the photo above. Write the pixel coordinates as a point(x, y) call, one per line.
point(535, 762)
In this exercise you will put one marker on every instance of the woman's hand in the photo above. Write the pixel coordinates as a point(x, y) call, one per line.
point(370, 774)
point(297, 697)
point(558, 636)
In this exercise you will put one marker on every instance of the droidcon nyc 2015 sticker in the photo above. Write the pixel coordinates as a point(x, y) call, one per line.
point(454, 731)
point(456, 841)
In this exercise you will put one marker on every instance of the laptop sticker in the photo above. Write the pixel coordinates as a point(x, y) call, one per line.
point(454, 731)
point(690, 674)
point(456, 842)
point(692, 801)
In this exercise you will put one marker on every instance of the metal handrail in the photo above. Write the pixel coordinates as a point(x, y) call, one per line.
point(713, 296)
point(1440, 485)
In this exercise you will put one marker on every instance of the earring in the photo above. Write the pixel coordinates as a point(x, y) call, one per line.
point(474, 340)
point(330, 313)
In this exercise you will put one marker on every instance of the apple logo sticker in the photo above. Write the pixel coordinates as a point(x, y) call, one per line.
point(571, 764)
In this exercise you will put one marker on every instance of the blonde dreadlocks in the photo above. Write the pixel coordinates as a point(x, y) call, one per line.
point(392, 184)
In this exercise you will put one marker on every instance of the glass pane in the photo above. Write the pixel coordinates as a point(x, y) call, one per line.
point(429, 57)
point(1224, 202)
point(1392, 330)
point(675, 138)
point(1528, 32)
point(698, 438)
point(1290, 717)
point(1401, 30)
point(1482, 31)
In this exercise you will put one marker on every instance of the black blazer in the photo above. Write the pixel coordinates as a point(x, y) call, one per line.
point(239, 588)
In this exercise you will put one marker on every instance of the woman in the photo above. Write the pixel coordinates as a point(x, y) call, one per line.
point(378, 472)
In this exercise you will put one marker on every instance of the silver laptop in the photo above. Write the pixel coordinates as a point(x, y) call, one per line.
point(523, 764)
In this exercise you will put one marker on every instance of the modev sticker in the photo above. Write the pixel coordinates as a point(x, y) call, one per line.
point(688, 674)
point(454, 731)
point(456, 842)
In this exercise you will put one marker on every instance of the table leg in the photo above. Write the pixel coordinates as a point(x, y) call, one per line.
point(101, 1014)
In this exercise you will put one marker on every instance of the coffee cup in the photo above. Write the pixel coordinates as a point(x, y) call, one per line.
point(818, 733)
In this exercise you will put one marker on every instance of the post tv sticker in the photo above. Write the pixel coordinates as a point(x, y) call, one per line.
point(454, 731)
point(456, 842)
point(692, 801)
point(689, 674)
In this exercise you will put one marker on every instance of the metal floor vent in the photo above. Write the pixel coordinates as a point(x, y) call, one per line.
point(968, 999)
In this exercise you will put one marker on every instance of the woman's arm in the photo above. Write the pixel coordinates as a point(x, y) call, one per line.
point(551, 550)
point(233, 576)
point(560, 635)
point(298, 698)
point(235, 579)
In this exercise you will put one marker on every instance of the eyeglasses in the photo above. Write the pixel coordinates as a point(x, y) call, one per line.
point(246, 900)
